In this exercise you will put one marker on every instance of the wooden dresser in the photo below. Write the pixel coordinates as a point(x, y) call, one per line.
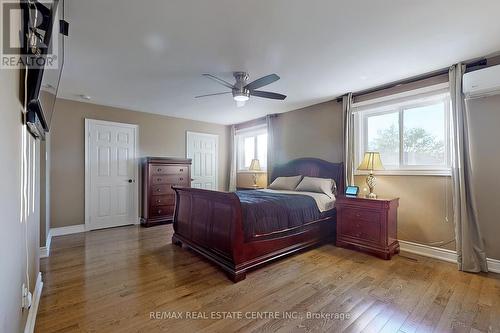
point(159, 174)
point(368, 225)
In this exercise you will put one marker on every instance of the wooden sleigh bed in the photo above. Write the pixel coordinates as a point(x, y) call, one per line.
point(212, 224)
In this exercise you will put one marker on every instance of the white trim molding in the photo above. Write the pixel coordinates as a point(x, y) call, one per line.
point(45, 250)
point(30, 322)
point(441, 254)
point(72, 229)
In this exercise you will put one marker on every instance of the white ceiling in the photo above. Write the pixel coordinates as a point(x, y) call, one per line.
point(148, 55)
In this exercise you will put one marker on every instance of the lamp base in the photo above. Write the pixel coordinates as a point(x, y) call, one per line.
point(255, 180)
point(371, 181)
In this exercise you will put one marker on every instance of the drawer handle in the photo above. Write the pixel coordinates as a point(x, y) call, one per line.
point(158, 201)
point(181, 178)
point(158, 179)
point(159, 211)
point(181, 170)
point(158, 169)
point(158, 190)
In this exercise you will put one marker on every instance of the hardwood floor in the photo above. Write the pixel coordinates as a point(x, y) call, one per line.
point(116, 280)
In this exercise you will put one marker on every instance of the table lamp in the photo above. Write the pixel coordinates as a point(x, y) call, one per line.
point(255, 167)
point(371, 162)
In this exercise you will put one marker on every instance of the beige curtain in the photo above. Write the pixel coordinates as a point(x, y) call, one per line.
point(270, 119)
point(232, 160)
point(470, 245)
point(348, 119)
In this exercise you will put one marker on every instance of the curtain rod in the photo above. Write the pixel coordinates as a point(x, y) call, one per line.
point(472, 66)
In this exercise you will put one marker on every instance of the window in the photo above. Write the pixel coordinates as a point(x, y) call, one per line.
point(412, 134)
point(251, 144)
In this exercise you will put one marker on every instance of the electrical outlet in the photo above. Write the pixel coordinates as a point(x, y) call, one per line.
point(26, 297)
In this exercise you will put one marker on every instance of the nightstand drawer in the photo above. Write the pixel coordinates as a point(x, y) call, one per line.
point(355, 215)
point(361, 225)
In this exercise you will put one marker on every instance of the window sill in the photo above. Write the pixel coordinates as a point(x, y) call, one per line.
point(251, 172)
point(430, 172)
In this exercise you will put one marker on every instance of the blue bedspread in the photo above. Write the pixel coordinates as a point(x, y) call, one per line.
point(264, 212)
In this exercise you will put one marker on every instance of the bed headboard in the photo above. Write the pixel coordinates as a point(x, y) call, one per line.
point(312, 167)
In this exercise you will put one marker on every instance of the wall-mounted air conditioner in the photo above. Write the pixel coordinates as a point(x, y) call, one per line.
point(483, 82)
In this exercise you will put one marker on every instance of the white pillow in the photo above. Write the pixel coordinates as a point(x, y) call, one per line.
point(285, 183)
point(318, 185)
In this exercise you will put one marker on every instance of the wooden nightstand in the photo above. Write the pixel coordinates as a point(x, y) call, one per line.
point(369, 225)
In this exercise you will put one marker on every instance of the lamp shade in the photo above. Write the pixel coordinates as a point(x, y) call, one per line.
point(255, 165)
point(371, 161)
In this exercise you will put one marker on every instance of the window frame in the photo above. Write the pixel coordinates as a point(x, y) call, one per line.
point(240, 137)
point(362, 114)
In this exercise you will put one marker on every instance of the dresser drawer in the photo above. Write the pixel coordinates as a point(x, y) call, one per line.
point(169, 179)
point(158, 211)
point(161, 189)
point(162, 200)
point(156, 169)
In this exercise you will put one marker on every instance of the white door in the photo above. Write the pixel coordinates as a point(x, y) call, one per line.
point(111, 169)
point(203, 149)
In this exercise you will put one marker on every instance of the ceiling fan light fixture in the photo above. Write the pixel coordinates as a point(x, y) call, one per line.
point(241, 96)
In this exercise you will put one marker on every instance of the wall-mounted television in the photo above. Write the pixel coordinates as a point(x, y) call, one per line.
point(46, 28)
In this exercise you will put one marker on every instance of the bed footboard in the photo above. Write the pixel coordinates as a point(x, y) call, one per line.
point(210, 223)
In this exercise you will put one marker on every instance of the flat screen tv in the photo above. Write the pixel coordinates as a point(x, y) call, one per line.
point(45, 60)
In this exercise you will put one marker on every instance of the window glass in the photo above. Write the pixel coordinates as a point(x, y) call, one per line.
point(249, 150)
point(262, 150)
point(424, 135)
point(383, 136)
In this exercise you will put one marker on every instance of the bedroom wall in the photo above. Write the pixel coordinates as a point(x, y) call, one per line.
point(158, 136)
point(16, 235)
point(44, 190)
point(425, 213)
point(484, 120)
point(316, 131)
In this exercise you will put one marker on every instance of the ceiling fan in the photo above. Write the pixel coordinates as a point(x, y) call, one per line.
point(242, 90)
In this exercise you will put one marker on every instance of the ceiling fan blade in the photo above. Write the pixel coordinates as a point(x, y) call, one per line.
point(221, 93)
point(220, 81)
point(267, 94)
point(263, 81)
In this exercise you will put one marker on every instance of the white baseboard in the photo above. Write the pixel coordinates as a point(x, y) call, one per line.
point(441, 254)
point(72, 229)
point(45, 250)
point(494, 265)
point(30, 322)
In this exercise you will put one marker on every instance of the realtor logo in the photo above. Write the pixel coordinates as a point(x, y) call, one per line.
point(25, 34)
